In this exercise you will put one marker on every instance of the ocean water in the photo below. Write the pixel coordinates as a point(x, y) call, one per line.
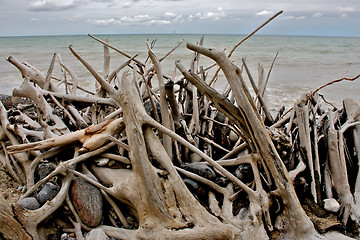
point(303, 63)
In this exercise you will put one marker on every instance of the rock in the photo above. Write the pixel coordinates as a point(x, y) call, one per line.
point(96, 234)
point(44, 169)
point(87, 201)
point(47, 193)
point(149, 109)
point(29, 203)
point(331, 205)
point(244, 173)
point(201, 169)
point(67, 236)
point(192, 185)
point(195, 158)
point(233, 136)
point(101, 162)
point(222, 181)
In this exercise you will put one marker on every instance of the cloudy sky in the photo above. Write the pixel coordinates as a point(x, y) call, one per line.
point(57, 17)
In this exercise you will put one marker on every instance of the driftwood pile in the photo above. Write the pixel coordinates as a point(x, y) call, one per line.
point(177, 161)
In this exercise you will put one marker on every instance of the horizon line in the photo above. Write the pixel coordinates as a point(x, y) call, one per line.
point(244, 34)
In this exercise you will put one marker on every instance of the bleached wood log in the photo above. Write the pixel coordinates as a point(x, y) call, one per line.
point(87, 100)
point(30, 72)
point(165, 116)
point(219, 101)
point(29, 91)
point(302, 113)
point(266, 149)
point(339, 175)
point(92, 137)
point(258, 94)
point(49, 73)
point(353, 113)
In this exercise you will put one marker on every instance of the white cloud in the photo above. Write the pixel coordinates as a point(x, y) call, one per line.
point(170, 14)
point(52, 5)
point(317, 14)
point(301, 17)
point(159, 22)
point(126, 20)
point(264, 13)
point(212, 15)
point(287, 18)
point(61, 5)
point(103, 22)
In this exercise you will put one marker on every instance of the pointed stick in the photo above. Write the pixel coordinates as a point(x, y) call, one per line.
point(258, 95)
point(49, 73)
point(171, 51)
point(117, 50)
point(165, 116)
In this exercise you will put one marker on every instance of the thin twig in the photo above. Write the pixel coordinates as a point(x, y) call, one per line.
point(318, 89)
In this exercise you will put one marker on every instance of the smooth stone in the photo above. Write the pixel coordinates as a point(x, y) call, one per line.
point(101, 162)
point(96, 234)
point(29, 203)
point(47, 192)
point(331, 205)
point(201, 169)
point(87, 201)
point(192, 185)
point(233, 136)
point(195, 158)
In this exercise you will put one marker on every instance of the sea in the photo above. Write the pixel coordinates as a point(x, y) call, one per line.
point(303, 63)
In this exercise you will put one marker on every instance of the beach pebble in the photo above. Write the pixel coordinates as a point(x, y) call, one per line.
point(101, 162)
point(222, 181)
point(67, 236)
point(96, 234)
point(331, 205)
point(195, 158)
point(244, 173)
point(29, 203)
point(233, 136)
point(47, 192)
point(192, 185)
point(201, 169)
point(87, 201)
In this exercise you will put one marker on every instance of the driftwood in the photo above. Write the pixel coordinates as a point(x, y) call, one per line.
point(180, 162)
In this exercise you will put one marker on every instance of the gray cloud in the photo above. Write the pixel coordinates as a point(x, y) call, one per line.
point(52, 5)
point(62, 5)
point(166, 15)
